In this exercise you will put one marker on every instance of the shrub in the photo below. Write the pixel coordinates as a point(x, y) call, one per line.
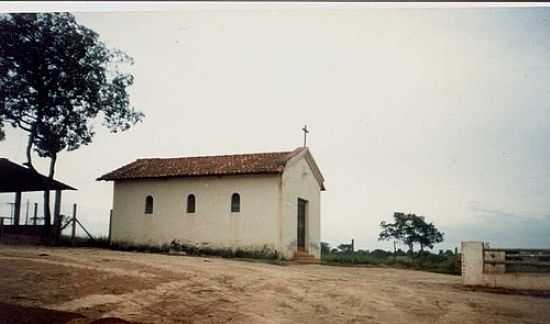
point(427, 261)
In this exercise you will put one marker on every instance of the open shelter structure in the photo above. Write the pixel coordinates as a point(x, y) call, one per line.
point(17, 179)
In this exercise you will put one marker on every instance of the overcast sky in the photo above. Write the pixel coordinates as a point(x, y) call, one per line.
point(439, 112)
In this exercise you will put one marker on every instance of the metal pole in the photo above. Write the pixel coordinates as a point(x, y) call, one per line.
point(73, 233)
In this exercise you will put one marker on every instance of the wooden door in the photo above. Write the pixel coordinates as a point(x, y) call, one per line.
point(302, 207)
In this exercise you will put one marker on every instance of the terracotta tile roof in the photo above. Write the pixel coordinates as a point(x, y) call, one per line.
point(257, 163)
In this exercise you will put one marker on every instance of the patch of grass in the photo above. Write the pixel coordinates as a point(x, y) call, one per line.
point(262, 253)
point(253, 254)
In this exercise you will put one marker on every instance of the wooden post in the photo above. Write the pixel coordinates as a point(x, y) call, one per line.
point(27, 213)
point(17, 209)
point(1, 226)
point(352, 245)
point(57, 214)
point(35, 213)
point(110, 222)
point(73, 233)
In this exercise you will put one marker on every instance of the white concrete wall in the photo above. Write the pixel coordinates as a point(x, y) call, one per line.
point(213, 223)
point(474, 274)
point(472, 263)
point(298, 181)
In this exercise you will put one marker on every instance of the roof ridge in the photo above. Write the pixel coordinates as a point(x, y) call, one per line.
point(218, 156)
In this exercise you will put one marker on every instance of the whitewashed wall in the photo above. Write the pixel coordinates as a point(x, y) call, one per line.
point(213, 222)
point(298, 181)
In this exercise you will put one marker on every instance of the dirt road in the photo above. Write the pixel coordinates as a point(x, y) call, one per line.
point(153, 288)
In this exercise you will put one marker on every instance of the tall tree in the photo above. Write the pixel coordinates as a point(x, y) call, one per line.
point(411, 229)
point(56, 77)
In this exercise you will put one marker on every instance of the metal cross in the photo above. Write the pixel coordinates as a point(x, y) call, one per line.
point(306, 131)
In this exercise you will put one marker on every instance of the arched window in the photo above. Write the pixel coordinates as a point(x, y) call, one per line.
point(191, 203)
point(235, 203)
point(149, 205)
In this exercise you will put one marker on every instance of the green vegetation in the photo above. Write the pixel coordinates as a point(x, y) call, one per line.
point(57, 77)
point(443, 262)
point(175, 247)
point(410, 229)
point(264, 252)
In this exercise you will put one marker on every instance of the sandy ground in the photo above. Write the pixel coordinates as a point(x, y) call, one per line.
point(153, 288)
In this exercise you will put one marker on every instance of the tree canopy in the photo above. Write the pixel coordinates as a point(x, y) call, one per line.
point(411, 229)
point(56, 77)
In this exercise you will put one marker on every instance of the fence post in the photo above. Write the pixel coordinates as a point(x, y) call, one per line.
point(17, 209)
point(57, 215)
point(472, 263)
point(35, 213)
point(1, 226)
point(73, 233)
point(27, 214)
point(110, 222)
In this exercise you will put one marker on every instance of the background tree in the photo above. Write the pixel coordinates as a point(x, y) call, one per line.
point(426, 233)
point(345, 248)
point(410, 229)
point(400, 230)
point(56, 77)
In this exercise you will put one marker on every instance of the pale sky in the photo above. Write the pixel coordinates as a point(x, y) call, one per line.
point(439, 112)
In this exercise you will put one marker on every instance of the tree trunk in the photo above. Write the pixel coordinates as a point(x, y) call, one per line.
point(47, 210)
point(29, 148)
point(47, 215)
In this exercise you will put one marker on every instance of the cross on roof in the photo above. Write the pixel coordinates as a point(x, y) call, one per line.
point(306, 131)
